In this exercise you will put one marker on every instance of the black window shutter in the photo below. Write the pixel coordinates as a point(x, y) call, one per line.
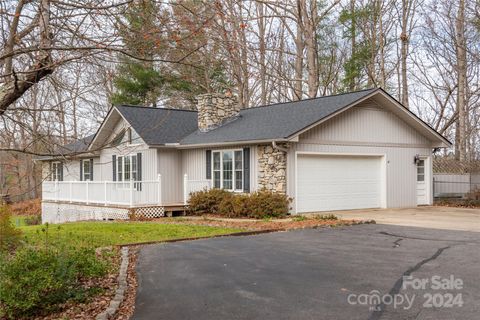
point(61, 172)
point(209, 164)
point(114, 167)
point(139, 171)
point(50, 171)
point(81, 170)
point(246, 169)
point(139, 166)
point(91, 169)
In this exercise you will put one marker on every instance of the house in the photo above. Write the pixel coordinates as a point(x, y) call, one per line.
point(348, 151)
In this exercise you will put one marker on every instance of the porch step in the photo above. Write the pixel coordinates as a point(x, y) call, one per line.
point(174, 207)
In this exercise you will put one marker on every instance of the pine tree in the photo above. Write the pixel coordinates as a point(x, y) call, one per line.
point(139, 81)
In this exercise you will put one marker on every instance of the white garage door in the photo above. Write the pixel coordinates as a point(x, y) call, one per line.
point(338, 182)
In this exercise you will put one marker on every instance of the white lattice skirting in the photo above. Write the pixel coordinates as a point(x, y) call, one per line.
point(59, 212)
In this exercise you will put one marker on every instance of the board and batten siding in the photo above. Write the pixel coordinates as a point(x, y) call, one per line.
point(71, 169)
point(195, 166)
point(169, 166)
point(149, 161)
point(368, 129)
point(149, 156)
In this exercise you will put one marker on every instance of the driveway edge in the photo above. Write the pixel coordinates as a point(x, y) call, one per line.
point(120, 292)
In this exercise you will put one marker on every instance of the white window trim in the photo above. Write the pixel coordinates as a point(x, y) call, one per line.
point(89, 172)
point(131, 171)
point(55, 174)
point(233, 189)
point(424, 170)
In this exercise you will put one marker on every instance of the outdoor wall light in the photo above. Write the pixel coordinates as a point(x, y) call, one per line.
point(416, 159)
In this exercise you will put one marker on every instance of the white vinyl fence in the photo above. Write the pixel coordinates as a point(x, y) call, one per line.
point(190, 186)
point(124, 193)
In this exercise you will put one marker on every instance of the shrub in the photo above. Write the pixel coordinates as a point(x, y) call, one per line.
point(28, 207)
point(10, 236)
point(35, 281)
point(235, 206)
point(33, 220)
point(265, 203)
point(326, 217)
point(207, 201)
point(259, 204)
point(299, 218)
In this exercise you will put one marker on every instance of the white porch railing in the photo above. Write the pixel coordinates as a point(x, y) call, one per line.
point(190, 186)
point(125, 193)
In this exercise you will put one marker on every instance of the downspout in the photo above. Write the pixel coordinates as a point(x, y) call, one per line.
point(275, 146)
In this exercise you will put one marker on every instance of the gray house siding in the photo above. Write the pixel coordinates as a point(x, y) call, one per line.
point(169, 166)
point(149, 156)
point(367, 129)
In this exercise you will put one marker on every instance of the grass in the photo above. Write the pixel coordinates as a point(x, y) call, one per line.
point(101, 234)
point(19, 221)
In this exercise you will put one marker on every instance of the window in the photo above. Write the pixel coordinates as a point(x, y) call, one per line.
point(421, 171)
point(87, 170)
point(217, 174)
point(239, 170)
point(127, 168)
point(56, 173)
point(118, 139)
point(125, 136)
point(134, 137)
point(228, 169)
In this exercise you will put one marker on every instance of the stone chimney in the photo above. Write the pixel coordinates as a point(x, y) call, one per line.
point(214, 109)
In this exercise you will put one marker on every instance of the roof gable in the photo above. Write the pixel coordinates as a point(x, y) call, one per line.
point(155, 126)
point(367, 123)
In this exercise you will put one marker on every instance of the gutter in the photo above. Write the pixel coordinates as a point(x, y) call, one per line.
point(275, 146)
point(216, 144)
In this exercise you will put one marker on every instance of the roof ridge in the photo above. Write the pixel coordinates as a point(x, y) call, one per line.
point(307, 99)
point(262, 106)
point(152, 108)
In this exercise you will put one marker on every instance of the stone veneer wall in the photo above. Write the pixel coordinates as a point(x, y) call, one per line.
point(272, 169)
point(214, 109)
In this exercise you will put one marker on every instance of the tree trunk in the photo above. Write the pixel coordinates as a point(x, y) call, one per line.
point(14, 88)
point(462, 80)
point(310, 25)
point(262, 49)
point(404, 38)
point(353, 41)
point(299, 46)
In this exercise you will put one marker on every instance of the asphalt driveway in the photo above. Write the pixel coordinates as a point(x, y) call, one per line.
point(313, 274)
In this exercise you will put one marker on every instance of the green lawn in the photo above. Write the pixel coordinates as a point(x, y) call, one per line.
point(100, 234)
point(19, 221)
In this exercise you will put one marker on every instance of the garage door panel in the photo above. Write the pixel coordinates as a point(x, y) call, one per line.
point(338, 183)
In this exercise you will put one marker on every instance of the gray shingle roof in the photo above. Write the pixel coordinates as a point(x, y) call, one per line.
point(76, 146)
point(71, 149)
point(157, 126)
point(276, 121)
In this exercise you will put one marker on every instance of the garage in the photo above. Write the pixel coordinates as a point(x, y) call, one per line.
point(339, 182)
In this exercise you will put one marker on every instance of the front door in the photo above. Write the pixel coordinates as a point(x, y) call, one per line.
point(421, 185)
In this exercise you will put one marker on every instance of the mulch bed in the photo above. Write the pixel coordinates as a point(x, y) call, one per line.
point(458, 203)
point(258, 225)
